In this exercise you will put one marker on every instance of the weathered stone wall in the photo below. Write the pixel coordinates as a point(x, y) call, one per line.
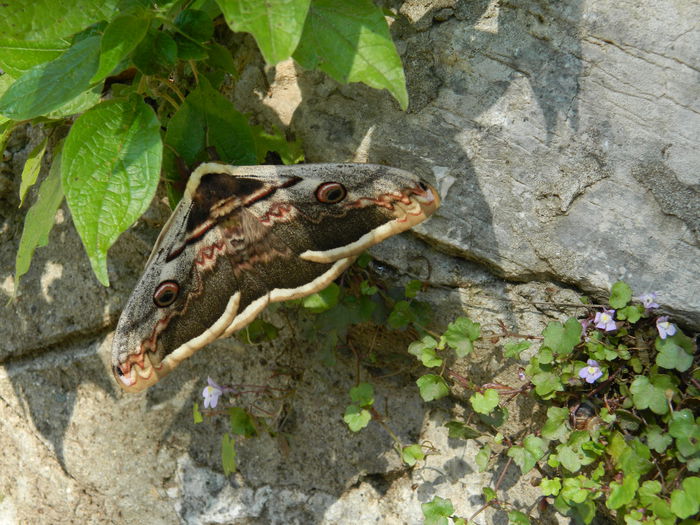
point(564, 138)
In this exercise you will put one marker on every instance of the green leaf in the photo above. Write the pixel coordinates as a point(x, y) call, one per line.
point(432, 387)
point(155, 54)
point(19, 56)
point(686, 430)
point(401, 315)
point(276, 25)
point(632, 313)
point(437, 511)
point(368, 289)
point(110, 172)
point(562, 338)
point(40, 218)
point(620, 294)
point(196, 24)
point(651, 394)
point(357, 418)
point(80, 104)
point(686, 502)
point(657, 439)
point(482, 458)
point(194, 27)
point(228, 454)
point(412, 288)
point(364, 259)
point(257, 332)
point(241, 422)
point(675, 352)
point(425, 351)
point(412, 454)
point(196, 414)
point(323, 300)
point(547, 384)
point(533, 449)
point(458, 430)
point(208, 120)
point(622, 493)
point(362, 394)
point(351, 42)
point(460, 334)
point(648, 491)
point(489, 494)
point(556, 426)
point(220, 58)
point(289, 152)
point(50, 85)
point(120, 38)
point(48, 19)
point(31, 169)
point(515, 348)
point(635, 459)
point(515, 517)
point(550, 487)
point(545, 355)
point(484, 403)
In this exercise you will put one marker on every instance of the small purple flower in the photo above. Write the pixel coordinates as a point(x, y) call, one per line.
point(592, 372)
point(585, 323)
point(665, 328)
point(649, 300)
point(211, 394)
point(605, 320)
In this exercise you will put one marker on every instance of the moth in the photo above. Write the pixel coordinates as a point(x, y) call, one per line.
point(245, 236)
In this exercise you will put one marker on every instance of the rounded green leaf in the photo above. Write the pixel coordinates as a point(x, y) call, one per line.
point(351, 42)
point(515, 348)
point(412, 454)
point(356, 418)
point(432, 387)
point(241, 422)
point(620, 294)
point(323, 300)
point(110, 170)
point(622, 493)
point(437, 511)
point(526, 456)
point(675, 352)
point(562, 338)
point(362, 394)
point(686, 502)
point(50, 85)
point(484, 403)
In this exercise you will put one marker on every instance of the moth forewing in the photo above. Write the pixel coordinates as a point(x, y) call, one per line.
point(244, 236)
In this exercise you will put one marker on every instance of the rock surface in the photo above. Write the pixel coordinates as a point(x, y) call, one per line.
point(564, 138)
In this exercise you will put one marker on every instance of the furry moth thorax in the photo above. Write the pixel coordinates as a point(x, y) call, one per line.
point(245, 236)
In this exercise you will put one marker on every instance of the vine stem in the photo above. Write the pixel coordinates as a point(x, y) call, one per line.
point(498, 484)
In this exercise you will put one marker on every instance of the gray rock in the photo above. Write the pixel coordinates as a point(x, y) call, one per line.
point(564, 139)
